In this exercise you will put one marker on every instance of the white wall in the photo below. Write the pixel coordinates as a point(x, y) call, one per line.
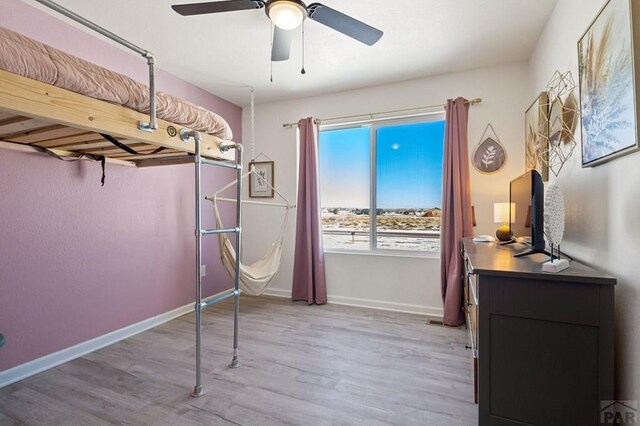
point(602, 203)
point(410, 284)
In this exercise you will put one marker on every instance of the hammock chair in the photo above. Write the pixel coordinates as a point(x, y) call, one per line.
point(256, 277)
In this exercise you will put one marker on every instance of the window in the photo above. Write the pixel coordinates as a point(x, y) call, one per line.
point(384, 173)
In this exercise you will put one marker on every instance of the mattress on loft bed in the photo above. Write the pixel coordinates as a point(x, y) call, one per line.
point(29, 58)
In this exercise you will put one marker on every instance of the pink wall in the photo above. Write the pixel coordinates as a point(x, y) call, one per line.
point(78, 260)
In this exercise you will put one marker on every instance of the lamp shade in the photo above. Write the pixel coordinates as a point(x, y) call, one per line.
point(286, 14)
point(501, 212)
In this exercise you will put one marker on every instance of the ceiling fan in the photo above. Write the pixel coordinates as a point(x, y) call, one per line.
point(286, 16)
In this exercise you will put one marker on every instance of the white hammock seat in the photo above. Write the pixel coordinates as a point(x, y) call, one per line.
point(255, 277)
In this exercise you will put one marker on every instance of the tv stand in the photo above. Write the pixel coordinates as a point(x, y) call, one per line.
point(532, 251)
point(528, 252)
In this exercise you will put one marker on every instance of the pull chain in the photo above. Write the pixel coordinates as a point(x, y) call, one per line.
point(271, 59)
point(303, 71)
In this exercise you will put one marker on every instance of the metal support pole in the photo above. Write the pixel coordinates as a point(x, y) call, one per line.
point(218, 231)
point(153, 123)
point(197, 390)
point(147, 127)
point(236, 308)
point(218, 299)
point(219, 163)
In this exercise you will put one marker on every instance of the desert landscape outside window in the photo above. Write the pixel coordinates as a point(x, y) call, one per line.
point(387, 173)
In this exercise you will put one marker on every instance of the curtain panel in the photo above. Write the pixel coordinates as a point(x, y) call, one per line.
point(309, 283)
point(457, 221)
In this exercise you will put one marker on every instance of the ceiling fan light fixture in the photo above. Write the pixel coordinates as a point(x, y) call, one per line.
point(286, 14)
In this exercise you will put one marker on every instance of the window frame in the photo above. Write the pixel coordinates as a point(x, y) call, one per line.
point(373, 124)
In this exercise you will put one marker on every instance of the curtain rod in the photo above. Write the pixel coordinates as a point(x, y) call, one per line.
point(372, 114)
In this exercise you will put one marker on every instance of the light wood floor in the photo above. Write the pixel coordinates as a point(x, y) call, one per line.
point(302, 365)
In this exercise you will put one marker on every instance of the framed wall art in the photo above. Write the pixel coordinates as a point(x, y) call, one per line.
point(261, 180)
point(608, 84)
point(536, 121)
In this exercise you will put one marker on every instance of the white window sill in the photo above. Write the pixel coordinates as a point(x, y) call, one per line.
point(386, 253)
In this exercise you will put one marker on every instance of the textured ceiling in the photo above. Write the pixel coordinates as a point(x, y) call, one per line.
point(225, 53)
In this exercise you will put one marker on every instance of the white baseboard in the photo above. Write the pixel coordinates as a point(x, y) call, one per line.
point(278, 292)
point(386, 306)
point(46, 362)
point(431, 311)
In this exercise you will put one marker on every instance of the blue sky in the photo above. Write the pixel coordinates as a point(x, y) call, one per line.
point(409, 166)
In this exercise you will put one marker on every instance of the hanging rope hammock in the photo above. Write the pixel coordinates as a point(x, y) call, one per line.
point(255, 277)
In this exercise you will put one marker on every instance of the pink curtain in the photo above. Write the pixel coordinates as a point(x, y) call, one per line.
point(308, 269)
point(457, 219)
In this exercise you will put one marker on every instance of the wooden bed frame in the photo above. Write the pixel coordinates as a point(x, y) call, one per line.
point(35, 114)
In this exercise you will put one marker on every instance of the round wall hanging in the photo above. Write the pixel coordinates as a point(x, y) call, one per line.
point(489, 155)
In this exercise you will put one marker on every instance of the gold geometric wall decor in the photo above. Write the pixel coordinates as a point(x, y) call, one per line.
point(563, 113)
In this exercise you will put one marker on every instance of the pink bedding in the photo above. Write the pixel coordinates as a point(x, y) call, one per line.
point(29, 58)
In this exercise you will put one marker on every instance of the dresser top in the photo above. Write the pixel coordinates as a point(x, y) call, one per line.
point(498, 260)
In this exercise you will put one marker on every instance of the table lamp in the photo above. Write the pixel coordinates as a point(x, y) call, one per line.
point(501, 215)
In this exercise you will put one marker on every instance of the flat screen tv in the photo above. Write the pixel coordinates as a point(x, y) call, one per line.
point(526, 220)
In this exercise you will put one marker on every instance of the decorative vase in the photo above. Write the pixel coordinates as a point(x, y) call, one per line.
point(554, 227)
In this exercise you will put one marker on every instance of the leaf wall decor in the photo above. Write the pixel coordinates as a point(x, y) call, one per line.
point(489, 155)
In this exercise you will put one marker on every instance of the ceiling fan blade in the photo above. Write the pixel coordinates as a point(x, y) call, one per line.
point(345, 24)
point(216, 6)
point(281, 44)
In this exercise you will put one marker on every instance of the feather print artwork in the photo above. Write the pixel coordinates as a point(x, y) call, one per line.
point(607, 85)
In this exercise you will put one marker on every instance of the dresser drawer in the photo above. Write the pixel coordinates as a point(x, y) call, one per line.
point(545, 300)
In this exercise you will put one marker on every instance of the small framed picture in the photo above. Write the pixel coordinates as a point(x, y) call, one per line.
point(261, 181)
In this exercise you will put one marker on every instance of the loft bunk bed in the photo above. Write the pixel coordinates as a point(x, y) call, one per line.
point(55, 103)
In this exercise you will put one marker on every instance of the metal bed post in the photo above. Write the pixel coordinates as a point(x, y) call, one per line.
point(197, 390)
point(236, 309)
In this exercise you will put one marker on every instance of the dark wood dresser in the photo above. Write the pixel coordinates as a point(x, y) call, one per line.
point(542, 343)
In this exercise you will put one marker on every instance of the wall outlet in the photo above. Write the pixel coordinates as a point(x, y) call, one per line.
point(203, 270)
